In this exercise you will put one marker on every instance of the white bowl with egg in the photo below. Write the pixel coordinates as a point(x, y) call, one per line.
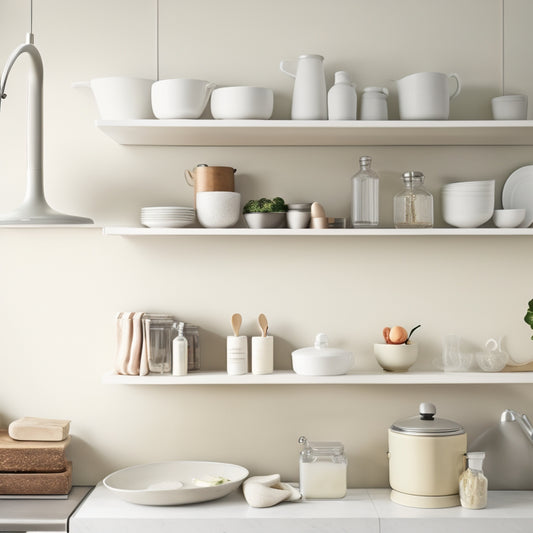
point(396, 357)
point(175, 482)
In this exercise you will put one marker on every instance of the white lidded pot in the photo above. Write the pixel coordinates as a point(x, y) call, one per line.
point(321, 360)
point(426, 458)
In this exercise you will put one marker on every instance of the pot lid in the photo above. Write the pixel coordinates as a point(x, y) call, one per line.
point(427, 424)
point(321, 348)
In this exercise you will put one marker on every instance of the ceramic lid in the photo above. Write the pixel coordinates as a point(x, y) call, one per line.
point(321, 348)
point(426, 424)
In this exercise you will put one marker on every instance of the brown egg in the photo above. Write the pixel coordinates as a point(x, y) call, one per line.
point(397, 335)
point(386, 332)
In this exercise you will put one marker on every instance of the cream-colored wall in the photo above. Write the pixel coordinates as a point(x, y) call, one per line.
point(61, 288)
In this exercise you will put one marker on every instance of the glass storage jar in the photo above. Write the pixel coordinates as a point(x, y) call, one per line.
point(159, 332)
point(323, 470)
point(413, 207)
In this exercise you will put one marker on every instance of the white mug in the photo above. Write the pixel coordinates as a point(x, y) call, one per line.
point(426, 95)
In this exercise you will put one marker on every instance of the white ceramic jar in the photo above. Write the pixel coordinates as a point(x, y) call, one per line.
point(342, 98)
point(374, 104)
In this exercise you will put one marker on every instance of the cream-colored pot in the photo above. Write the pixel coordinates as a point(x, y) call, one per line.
point(426, 458)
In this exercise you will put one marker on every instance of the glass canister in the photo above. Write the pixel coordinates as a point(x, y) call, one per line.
point(192, 334)
point(365, 195)
point(413, 207)
point(473, 484)
point(159, 332)
point(323, 470)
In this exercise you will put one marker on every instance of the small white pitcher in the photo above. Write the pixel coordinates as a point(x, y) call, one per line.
point(426, 95)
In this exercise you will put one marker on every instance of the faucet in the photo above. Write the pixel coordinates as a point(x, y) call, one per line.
point(34, 208)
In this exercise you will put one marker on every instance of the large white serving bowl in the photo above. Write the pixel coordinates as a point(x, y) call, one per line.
point(172, 482)
point(467, 209)
point(242, 103)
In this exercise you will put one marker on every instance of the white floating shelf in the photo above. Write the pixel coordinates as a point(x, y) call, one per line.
point(319, 132)
point(146, 232)
point(288, 377)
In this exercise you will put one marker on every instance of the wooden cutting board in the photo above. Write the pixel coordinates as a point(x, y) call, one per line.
point(37, 483)
point(31, 456)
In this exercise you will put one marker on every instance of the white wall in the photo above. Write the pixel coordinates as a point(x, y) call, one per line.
point(61, 288)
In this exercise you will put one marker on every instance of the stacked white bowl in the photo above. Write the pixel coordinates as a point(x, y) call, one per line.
point(468, 204)
point(167, 217)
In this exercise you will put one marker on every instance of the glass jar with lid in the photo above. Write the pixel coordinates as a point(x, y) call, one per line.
point(323, 470)
point(413, 206)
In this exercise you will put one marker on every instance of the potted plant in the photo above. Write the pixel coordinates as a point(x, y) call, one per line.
point(265, 213)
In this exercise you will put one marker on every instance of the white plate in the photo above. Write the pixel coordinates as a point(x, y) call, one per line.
point(172, 482)
point(166, 223)
point(518, 193)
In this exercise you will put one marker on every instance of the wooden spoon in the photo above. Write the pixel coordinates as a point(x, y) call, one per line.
point(236, 321)
point(263, 324)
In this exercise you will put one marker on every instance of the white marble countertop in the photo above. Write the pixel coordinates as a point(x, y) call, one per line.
point(362, 511)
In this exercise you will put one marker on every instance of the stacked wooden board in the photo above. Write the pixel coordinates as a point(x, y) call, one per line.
point(34, 467)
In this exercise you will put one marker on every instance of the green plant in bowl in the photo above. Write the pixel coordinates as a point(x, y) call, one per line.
point(265, 213)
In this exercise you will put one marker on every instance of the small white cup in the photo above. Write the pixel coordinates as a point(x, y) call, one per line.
point(298, 219)
point(218, 209)
point(263, 355)
point(509, 107)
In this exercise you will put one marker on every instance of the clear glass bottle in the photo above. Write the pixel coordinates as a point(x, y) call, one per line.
point(473, 484)
point(159, 331)
point(323, 470)
point(413, 207)
point(365, 195)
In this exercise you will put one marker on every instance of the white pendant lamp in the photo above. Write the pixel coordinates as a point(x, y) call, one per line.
point(34, 208)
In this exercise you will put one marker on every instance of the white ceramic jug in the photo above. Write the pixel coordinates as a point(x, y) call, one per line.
point(426, 95)
point(309, 95)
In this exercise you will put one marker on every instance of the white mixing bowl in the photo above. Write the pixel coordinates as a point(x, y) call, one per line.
point(242, 103)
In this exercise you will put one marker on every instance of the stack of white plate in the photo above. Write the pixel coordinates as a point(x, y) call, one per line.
point(167, 217)
point(468, 204)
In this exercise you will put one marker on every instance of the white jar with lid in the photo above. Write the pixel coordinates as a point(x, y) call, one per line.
point(374, 104)
point(323, 470)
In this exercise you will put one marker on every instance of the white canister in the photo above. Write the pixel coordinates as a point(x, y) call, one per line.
point(426, 458)
point(342, 98)
point(263, 355)
point(374, 104)
point(237, 355)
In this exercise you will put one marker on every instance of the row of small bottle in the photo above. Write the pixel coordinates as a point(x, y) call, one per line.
point(413, 206)
point(342, 101)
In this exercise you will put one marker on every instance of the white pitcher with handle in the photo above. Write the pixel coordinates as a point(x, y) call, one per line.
point(309, 95)
point(426, 95)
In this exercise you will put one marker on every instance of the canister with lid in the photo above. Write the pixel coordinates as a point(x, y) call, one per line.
point(323, 470)
point(426, 458)
point(413, 206)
